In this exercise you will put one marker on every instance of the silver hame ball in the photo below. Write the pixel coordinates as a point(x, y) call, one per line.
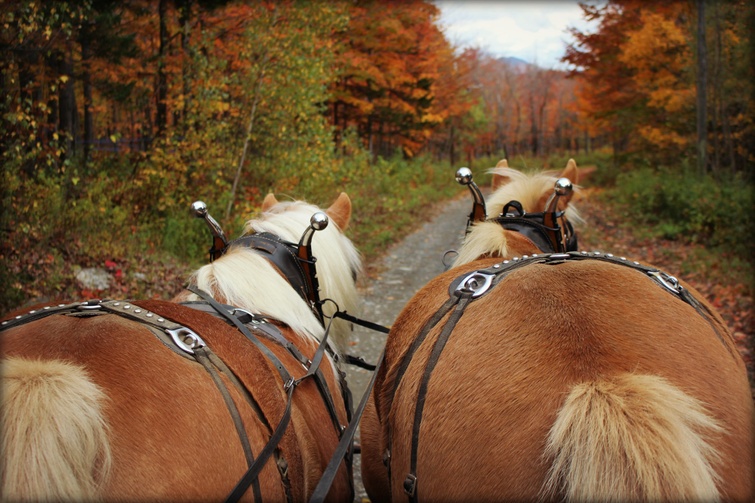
point(319, 221)
point(199, 208)
point(464, 176)
point(563, 186)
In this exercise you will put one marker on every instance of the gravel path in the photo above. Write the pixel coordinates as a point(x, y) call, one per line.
point(404, 268)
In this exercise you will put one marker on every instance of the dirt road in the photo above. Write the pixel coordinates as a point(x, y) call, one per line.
point(404, 269)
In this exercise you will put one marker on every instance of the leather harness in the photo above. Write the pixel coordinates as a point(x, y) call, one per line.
point(541, 228)
point(295, 262)
point(187, 343)
point(471, 286)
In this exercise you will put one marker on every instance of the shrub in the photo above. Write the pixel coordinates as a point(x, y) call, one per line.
point(681, 205)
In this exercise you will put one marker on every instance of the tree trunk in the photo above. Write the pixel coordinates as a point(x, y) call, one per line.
point(162, 84)
point(249, 129)
point(184, 13)
point(86, 78)
point(533, 128)
point(702, 77)
point(67, 106)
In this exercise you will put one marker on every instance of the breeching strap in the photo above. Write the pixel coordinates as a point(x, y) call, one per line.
point(462, 297)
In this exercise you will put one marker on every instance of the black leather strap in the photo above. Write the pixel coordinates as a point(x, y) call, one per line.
point(462, 298)
point(202, 356)
point(405, 360)
point(272, 444)
point(367, 324)
point(344, 445)
point(282, 371)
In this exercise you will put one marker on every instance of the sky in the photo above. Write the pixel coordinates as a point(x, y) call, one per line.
point(534, 30)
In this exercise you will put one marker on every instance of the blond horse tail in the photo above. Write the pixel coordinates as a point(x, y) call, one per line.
point(630, 438)
point(54, 443)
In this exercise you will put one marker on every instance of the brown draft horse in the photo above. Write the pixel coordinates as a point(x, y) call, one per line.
point(571, 376)
point(96, 407)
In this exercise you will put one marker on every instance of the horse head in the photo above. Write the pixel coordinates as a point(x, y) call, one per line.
point(243, 273)
point(531, 213)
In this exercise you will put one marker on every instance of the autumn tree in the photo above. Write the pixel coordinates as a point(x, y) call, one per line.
point(659, 56)
point(388, 70)
point(639, 75)
point(609, 91)
point(458, 95)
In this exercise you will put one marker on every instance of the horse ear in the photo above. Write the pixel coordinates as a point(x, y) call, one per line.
point(340, 211)
point(500, 180)
point(269, 202)
point(571, 172)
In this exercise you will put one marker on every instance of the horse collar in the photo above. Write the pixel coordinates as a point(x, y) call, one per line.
point(550, 232)
point(286, 258)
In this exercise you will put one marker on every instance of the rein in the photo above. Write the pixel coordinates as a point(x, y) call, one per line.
point(471, 286)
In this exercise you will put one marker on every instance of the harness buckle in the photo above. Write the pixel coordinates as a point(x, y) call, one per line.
point(90, 304)
point(410, 485)
point(288, 384)
point(186, 339)
point(667, 281)
point(242, 315)
point(387, 458)
point(477, 282)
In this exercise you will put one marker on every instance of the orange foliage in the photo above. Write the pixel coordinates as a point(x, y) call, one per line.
point(390, 64)
point(639, 73)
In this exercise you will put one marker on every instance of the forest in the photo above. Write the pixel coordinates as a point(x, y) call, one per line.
point(117, 114)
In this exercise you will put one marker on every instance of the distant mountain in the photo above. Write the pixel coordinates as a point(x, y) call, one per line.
point(514, 62)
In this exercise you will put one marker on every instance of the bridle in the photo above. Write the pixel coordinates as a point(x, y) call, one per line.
point(548, 230)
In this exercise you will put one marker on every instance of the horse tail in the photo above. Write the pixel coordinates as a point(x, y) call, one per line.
point(54, 444)
point(633, 437)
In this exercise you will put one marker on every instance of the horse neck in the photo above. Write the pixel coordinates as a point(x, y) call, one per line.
point(245, 279)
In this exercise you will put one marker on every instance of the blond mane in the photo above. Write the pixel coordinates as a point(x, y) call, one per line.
point(488, 238)
point(247, 280)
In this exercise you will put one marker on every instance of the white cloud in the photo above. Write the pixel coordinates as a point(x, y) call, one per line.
point(535, 31)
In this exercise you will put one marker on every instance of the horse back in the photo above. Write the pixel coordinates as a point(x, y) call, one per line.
point(170, 434)
point(519, 350)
